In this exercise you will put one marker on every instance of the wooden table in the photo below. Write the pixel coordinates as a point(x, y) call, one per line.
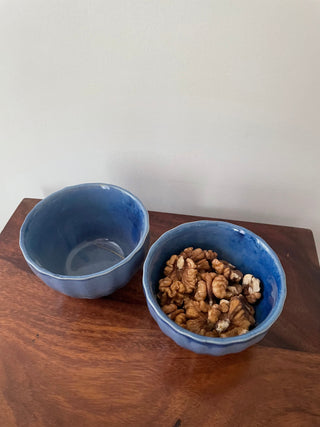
point(71, 362)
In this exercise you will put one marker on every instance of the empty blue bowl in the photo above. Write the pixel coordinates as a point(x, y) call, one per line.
point(86, 240)
point(239, 246)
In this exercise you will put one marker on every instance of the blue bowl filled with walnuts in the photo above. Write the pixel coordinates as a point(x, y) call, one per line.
point(213, 287)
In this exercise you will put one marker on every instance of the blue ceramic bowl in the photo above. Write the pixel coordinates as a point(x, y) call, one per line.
point(240, 247)
point(87, 240)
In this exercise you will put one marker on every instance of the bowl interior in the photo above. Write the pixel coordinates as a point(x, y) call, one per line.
point(83, 229)
point(237, 245)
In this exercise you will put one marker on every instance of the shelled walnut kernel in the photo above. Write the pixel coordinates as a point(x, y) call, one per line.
point(208, 296)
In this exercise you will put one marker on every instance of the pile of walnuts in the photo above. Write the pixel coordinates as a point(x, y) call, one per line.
point(208, 296)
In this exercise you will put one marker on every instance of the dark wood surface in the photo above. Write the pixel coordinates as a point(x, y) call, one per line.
point(105, 362)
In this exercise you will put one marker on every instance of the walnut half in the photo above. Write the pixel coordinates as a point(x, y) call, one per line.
point(251, 288)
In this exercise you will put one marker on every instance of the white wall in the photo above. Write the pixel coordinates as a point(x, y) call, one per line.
point(198, 107)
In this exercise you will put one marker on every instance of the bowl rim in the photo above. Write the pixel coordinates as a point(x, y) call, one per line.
point(55, 194)
point(262, 328)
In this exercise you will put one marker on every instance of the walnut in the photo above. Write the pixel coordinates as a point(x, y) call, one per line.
point(175, 313)
point(180, 263)
point(227, 270)
point(222, 325)
point(196, 317)
point(164, 283)
point(169, 308)
point(203, 265)
point(236, 314)
point(174, 267)
point(198, 256)
point(163, 299)
point(224, 305)
point(241, 313)
point(201, 291)
point(236, 276)
point(251, 288)
point(187, 252)
point(189, 275)
point(170, 265)
point(194, 254)
point(230, 318)
point(198, 325)
point(214, 314)
point(233, 332)
point(175, 287)
point(208, 278)
point(192, 312)
point(252, 298)
point(233, 290)
point(182, 270)
point(173, 293)
point(210, 255)
point(195, 308)
point(181, 320)
point(217, 311)
point(204, 307)
point(219, 286)
point(222, 267)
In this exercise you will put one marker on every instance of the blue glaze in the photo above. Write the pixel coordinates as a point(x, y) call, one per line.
point(71, 218)
point(247, 251)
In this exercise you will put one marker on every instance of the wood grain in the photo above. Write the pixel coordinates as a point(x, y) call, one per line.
point(104, 362)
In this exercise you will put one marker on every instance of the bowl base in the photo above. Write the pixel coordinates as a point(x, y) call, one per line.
point(93, 256)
